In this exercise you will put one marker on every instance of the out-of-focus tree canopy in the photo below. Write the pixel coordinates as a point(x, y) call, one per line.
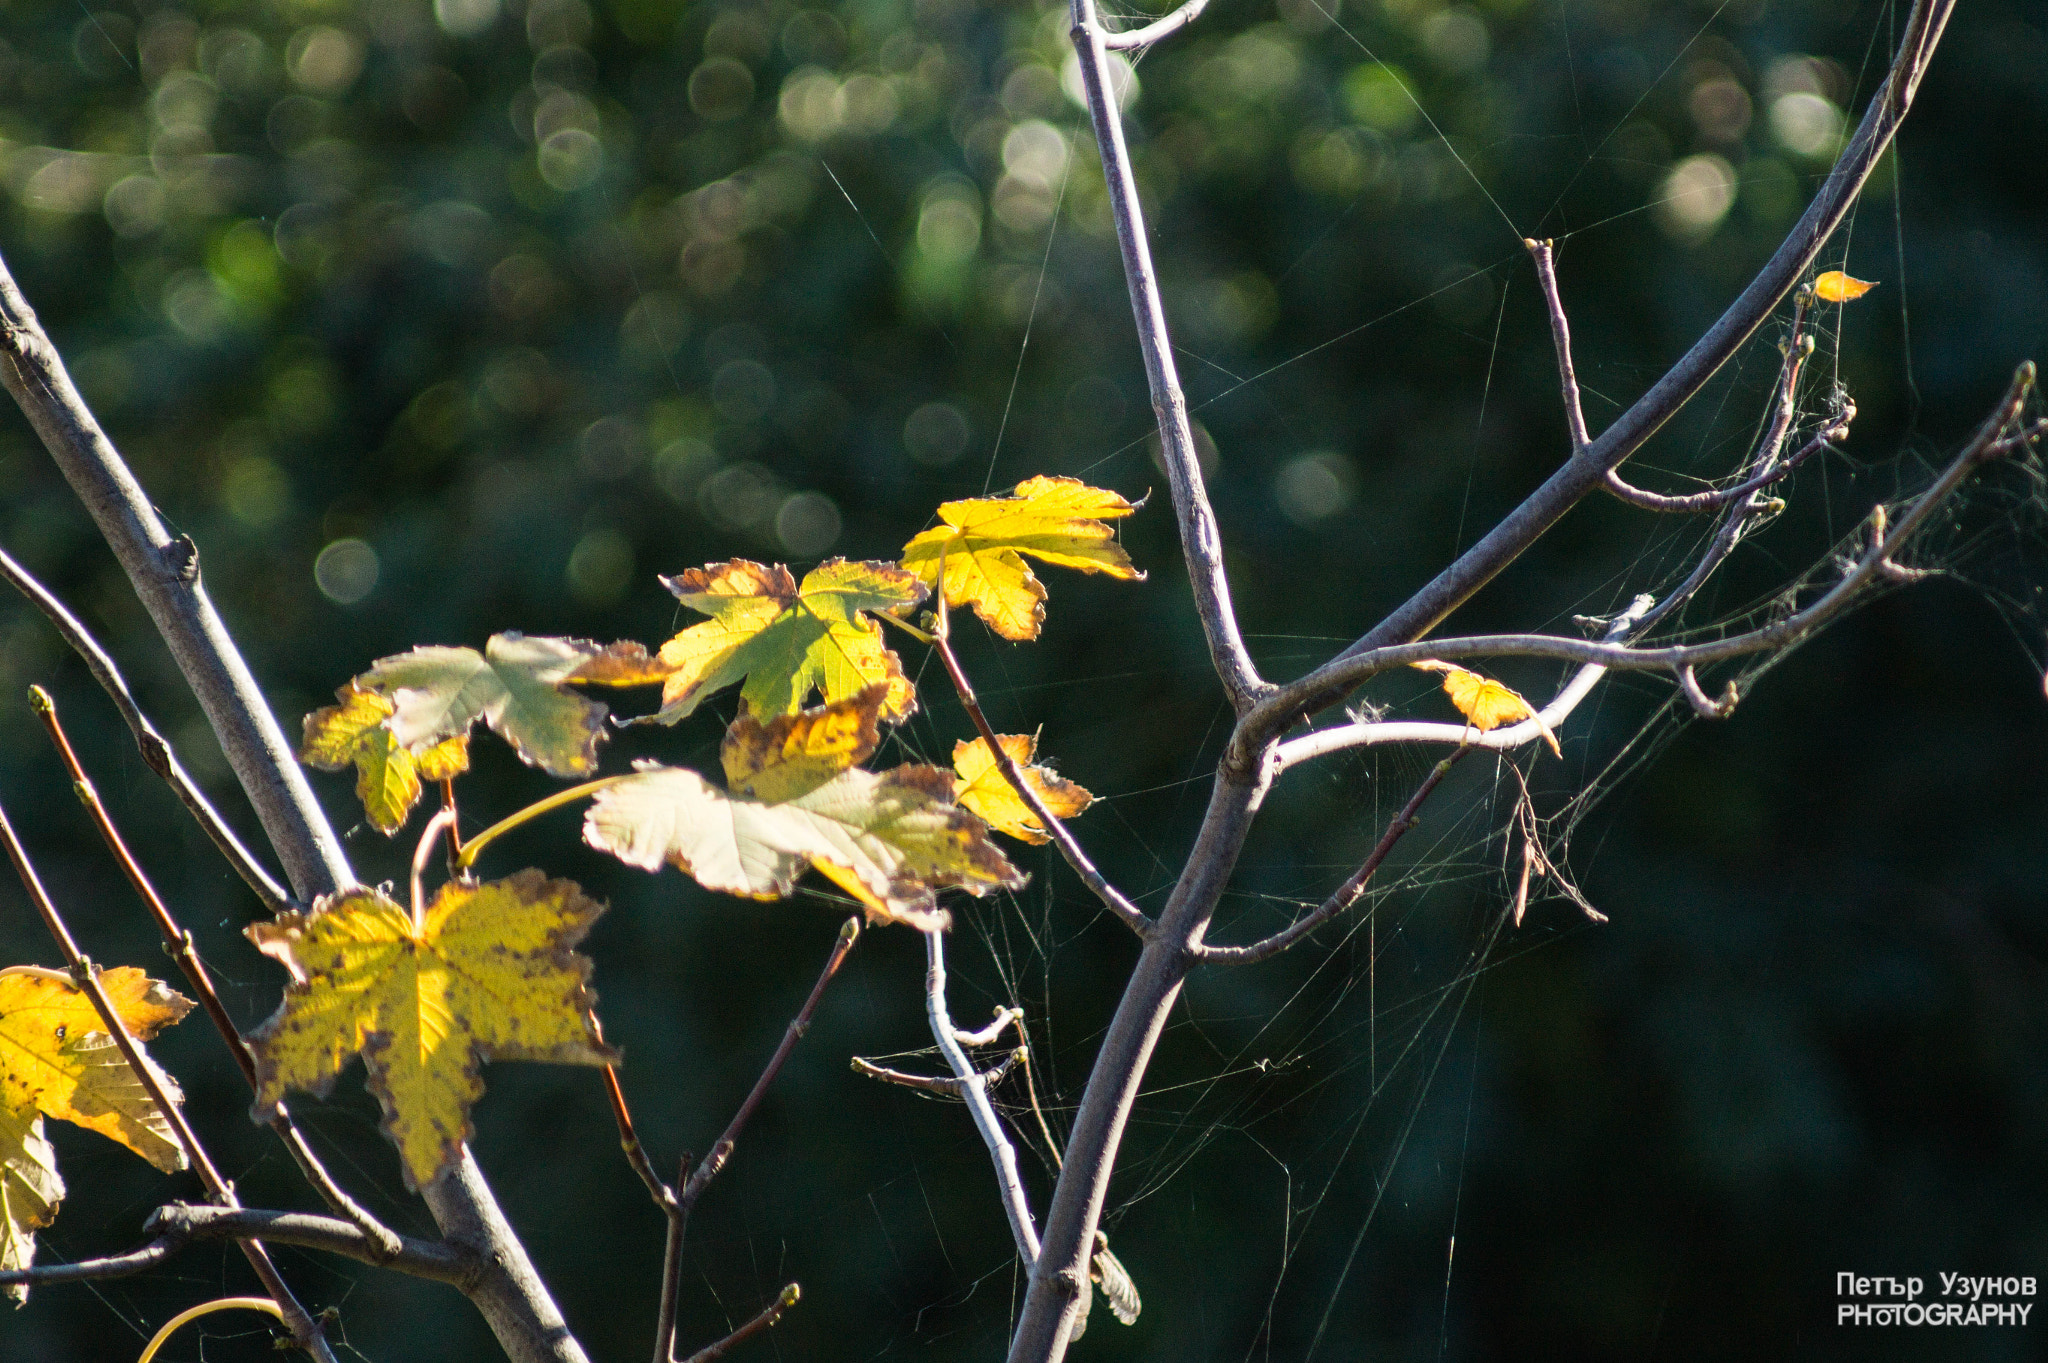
point(428, 321)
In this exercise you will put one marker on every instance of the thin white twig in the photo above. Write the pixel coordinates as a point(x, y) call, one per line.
point(974, 1091)
point(1159, 28)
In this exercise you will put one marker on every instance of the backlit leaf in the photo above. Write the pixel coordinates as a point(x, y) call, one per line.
point(1486, 703)
point(1054, 520)
point(516, 686)
point(796, 801)
point(388, 775)
point(490, 974)
point(785, 640)
point(980, 785)
point(57, 1060)
point(1833, 286)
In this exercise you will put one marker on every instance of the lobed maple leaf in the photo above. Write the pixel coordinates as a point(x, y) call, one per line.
point(488, 973)
point(795, 800)
point(979, 785)
point(786, 640)
point(1486, 703)
point(57, 1060)
point(1054, 520)
point(388, 774)
point(516, 686)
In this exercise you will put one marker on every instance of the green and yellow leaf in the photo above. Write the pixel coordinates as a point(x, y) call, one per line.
point(796, 801)
point(982, 540)
point(1486, 703)
point(784, 640)
point(388, 775)
point(491, 973)
point(979, 785)
point(516, 686)
point(57, 1060)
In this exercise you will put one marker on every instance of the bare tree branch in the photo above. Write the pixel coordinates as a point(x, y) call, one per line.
point(1560, 340)
point(1201, 538)
point(784, 1300)
point(1346, 894)
point(1588, 468)
point(443, 1262)
point(156, 1252)
point(156, 752)
point(944, 1086)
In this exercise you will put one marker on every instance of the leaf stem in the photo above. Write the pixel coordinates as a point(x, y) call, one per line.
point(468, 855)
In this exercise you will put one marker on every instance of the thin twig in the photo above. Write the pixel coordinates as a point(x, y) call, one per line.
point(306, 1331)
point(629, 1139)
point(694, 1181)
point(156, 751)
point(783, 1301)
point(442, 1261)
point(1561, 340)
point(1133, 917)
point(1159, 28)
point(974, 1091)
point(1348, 893)
point(945, 1086)
point(1200, 536)
point(151, 1255)
point(178, 944)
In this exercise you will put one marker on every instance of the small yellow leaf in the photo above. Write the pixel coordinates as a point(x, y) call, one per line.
point(980, 786)
point(1486, 703)
point(491, 974)
point(30, 1189)
point(1836, 287)
point(388, 775)
point(1055, 520)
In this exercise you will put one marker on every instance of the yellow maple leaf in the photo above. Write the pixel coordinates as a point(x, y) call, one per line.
point(796, 801)
point(979, 785)
point(388, 774)
point(1486, 703)
point(1833, 286)
point(1054, 520)
point(57, 1060)
point(489, 973)
point(786, 640)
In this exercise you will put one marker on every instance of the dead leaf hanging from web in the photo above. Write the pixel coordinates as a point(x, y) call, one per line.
point(1833, 286)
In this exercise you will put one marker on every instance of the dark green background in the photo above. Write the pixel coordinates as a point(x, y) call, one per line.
point(325, 286)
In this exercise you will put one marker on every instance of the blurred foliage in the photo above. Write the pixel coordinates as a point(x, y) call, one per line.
point(431, 321)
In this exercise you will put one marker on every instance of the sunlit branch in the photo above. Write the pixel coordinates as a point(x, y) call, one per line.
point(974, 1091)
point(156, 752)
point(1371, 733)
point(1070, 847)
point(1873, 563)
point(1201, 538)
point(629, 1139)
point(178, 944)
point(156, 1252)
point(708, 1168)
point(306, 1331)
point(1348, 893)
point(783, 1301)
point(1159, 28)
